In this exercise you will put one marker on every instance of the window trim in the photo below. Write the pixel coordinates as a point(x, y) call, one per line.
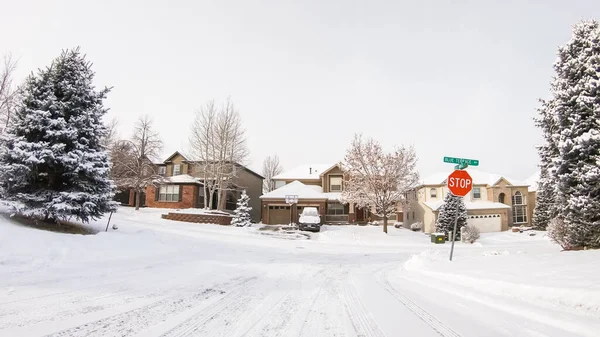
point(433, 192)
point(179, 167)
point(174, 196)
point(341, 182)
point(478, 192)
point(162, 170)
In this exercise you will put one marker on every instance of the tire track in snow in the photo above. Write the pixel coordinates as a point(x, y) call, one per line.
point(362, 321)
point(132, 321)
point(425, 316)
point(231, 306)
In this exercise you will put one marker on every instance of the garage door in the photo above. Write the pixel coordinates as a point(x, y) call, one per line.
point(279, 215)
point(486, 223)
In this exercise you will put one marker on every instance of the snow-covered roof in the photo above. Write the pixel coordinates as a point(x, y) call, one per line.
point(533, 181)
point(471, 205)
point(479, 178)
point(296, 188)
point(304, 172)
point(182, 179)
point(333, 196)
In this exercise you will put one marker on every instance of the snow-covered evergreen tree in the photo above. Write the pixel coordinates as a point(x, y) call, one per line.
point(447, 215)
point(242, 212)
point(546, 208)
point(576, 104)
point(52, 163)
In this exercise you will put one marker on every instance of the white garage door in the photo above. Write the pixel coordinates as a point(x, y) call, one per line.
point(486, 223)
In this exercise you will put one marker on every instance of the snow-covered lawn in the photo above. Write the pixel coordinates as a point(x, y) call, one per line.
point(155, 277)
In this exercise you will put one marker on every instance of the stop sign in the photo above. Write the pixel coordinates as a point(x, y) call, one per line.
point(460, 183)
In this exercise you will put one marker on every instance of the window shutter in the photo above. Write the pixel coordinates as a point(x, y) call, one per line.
point(156, 192)
point(180, 192)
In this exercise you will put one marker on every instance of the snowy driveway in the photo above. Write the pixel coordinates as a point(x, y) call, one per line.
point(160, 278)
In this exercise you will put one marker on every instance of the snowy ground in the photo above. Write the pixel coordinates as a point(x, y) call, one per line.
point(155, 277)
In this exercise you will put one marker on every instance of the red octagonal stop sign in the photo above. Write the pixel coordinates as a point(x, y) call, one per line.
point(460, 183)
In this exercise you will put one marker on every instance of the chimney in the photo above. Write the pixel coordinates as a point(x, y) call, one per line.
point(310, 170)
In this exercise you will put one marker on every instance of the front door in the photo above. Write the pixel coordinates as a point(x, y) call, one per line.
point(360, 214)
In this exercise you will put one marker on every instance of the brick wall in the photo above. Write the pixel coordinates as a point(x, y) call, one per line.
point(199, 218)
point(189, 196)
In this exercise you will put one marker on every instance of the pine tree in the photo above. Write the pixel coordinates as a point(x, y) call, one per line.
point(52, 163)
point(447, 215)
point(242, 212)
point(576, 101)
point(546, 208)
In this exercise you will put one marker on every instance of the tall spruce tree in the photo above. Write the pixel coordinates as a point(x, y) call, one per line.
point(242, 212)
point(545, 205)
point(52, 163)
point(576, 100)
point(447, 215)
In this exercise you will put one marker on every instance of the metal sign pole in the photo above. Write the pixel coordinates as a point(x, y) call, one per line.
point(454, 232)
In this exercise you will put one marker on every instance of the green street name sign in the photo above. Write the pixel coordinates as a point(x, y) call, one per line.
point(461, 161)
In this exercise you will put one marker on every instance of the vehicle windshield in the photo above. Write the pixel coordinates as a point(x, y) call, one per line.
point(310, 212)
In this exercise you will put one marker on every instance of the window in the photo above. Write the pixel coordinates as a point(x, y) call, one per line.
point(162, 170)
point(518, 199)
point(176, 169)
point(519, 208)
point(476, 192)
point(433, 193)
point(335, 184)
point(279, 183)
point(336, 208)
point(501, 197)
point(169, 193)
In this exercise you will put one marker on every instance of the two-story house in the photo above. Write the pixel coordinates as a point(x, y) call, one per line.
point(183, 187)
point(494, 204)
point(317, 186)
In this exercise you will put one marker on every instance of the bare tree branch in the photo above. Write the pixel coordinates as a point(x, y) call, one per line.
point(271, 167)
point(8, 91)
point(379, 180)
point(133, 165)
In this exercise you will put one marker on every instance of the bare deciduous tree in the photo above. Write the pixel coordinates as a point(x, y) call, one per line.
point(271, 167)
point(133, 159)
point(111, 136)
point(218, 144)
point(378, 180)
point(8, 91)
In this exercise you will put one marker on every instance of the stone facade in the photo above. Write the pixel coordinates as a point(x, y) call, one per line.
point(199, 218)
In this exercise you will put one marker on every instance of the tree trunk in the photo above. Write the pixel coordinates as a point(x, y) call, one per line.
point(385, 221)
point(137, 199)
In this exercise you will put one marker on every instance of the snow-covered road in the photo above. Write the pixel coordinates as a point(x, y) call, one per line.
point(161, 278)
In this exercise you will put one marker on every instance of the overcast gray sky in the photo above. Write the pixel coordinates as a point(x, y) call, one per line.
point(457, 78)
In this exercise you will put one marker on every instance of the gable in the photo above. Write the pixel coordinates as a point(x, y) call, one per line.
point(175, 157)
point(335, 169)
point(502, 182)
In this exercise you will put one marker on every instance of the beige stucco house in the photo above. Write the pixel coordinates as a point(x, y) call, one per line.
point(495, 203)
point(318, 186)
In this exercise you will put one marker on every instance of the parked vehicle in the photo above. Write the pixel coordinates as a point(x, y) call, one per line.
point(310, 220)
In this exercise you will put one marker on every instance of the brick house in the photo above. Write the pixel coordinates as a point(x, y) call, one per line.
point(317, 186)
point(494, 204)
point(183, 188)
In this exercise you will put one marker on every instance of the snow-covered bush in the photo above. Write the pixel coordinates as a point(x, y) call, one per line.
point(398, 224)
point(417, 226)
point(241, 216)
point(469, 233)
point(558, 232)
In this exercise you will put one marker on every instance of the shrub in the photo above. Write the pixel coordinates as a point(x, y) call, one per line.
point(557, 232)
point(398, 224)
point(417, 226)
point(469, 233)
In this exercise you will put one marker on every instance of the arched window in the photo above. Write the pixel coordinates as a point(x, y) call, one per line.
point(433, 193)
point(517, 198)
point(501, 198)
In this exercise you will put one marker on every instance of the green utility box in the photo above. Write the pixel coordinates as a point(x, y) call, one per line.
point(438, 238)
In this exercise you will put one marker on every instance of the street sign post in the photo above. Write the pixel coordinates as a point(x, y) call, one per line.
point(460, 184)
